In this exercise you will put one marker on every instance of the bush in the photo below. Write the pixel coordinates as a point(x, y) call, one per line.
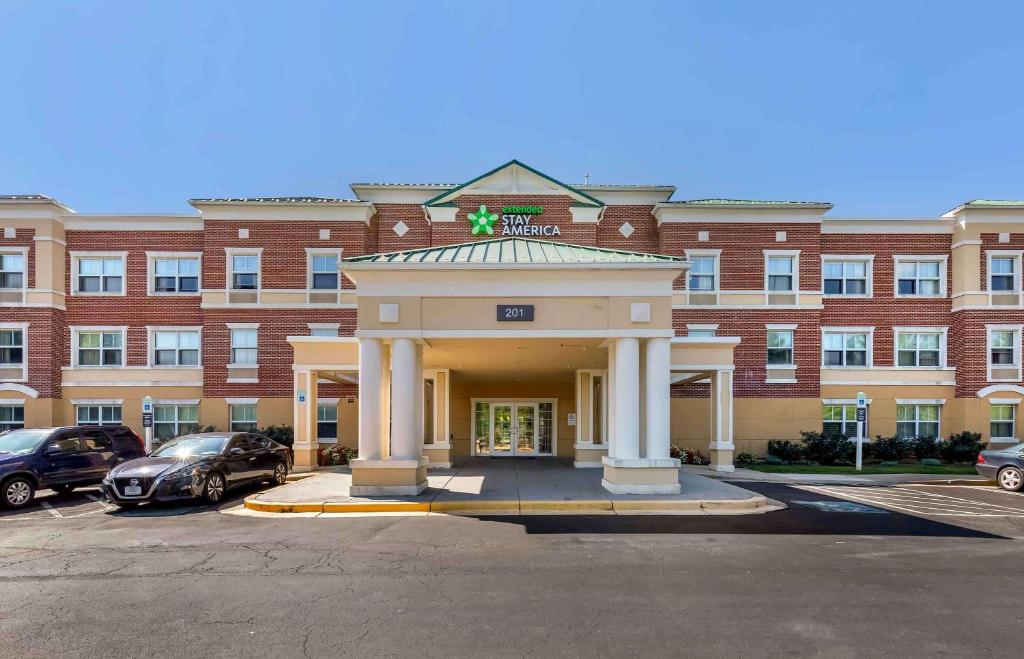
point(930, 462)
point(675, 452)
point(888, 448)
point(785, 450)
point(925, 447)
point(826, 449)
point(336, 455)
point(962, 447)
point(691, 457)
point(773, 460)
point(744, 459)
point(280, 434)
point(889, 463)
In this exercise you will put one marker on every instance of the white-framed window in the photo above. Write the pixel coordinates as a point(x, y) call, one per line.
point(780, 347)
point(13, 264)
point(703, 276)
point(846, 346)
point(847, 275)
point(1004, 276)
point(174, 418)
point(327, 420)
point(175, 346)
point(323, 273)
point(1002, 420)
point(98, 346)
point(323, 329)
point(917, 419)
point(919, 276)
point(98, 273)
point(244, 344)
point(174, 273)
point(781, 271)
point(701, 331)
point(920, 346)
point(12, 416)
point(1004, 359)
point(14, 349)
point(244, 271)
point(839, 420)
point(98, 414)
point(243, 417)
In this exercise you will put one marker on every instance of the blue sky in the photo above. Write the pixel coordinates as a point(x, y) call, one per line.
point(883, 108)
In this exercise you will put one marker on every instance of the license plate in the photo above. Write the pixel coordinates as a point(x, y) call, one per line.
point(133, 490)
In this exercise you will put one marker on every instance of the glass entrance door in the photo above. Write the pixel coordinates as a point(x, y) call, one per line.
point(513, 429)
point(502, 442)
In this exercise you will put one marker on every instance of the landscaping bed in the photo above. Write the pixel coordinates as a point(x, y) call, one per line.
point(954, 470)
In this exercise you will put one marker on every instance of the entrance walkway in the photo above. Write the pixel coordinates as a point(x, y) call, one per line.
point(508, 486)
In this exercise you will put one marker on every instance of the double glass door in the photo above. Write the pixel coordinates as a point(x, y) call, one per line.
point(513, 429)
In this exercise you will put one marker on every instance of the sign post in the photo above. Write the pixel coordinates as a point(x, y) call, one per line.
point(147, 421)
point(862, 415)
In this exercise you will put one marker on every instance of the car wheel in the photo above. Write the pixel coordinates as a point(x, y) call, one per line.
point(280, 473)
point(1011, 478)
point(18, 492)
point(213, 490)
point(63, 490)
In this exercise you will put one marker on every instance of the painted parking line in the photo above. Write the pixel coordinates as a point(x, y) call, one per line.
point(916, 502)
point(50, 509)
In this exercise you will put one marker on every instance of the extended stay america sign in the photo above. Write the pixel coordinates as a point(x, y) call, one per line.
point(515, 221)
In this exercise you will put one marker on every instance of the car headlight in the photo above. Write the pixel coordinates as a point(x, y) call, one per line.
point(189, 473)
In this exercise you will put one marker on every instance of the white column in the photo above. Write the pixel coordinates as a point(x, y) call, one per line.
point(385, 401)
point(371, 367)
point(406, 401)
point(419, 394)
point(609, 400)
point(657, 383)
point(721, 445)
point(627, 398)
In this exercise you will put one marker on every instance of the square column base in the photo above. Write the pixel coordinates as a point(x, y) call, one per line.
point(440, 458)
point(721, 459)
point(589, 457)
point(641, 475)
point(388, 477)
point(305, 458)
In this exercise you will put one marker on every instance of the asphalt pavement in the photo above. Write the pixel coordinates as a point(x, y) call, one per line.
point(843, 571)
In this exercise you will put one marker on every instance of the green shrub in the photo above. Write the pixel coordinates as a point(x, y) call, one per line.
point(773, 460)
point(826, 449)
point(963, 447)
point(889, 463)
point(888, 448)
point(785, 450)
point(930, 462)
point(280, 434)
point(925, 447)
point(744, 459)
point(336, 455)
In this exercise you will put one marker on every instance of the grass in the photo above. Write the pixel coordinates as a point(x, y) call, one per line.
point(868, 469)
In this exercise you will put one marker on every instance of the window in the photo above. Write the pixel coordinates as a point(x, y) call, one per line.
point(98, 414)
point(701, 331)
point(323, 331)
point(839, 420)
point(1001, 419)
point(244, 346)
point(100, 347)
point(1001, 347)
point(327, 421)
point(12, 271)
point(100, 275)
point(920, 277)
point(702, 273)
point(243, 418)
point(12, 417)
point(12, 347)
point(780, 347)
point(245, 269)
point(845, 277)
point(918, 349)
point(1001, 277)
point(917, 420)
point(176, 275)
point(845, 349)
point(95, 440)
point(324, 271)
point(174, 420)
point(176, 347)
point(780, 273)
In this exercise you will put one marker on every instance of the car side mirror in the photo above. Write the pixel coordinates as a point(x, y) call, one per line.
point(53, 449)
point(236, 451)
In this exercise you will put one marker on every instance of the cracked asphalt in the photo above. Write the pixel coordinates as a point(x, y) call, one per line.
point(170, 582)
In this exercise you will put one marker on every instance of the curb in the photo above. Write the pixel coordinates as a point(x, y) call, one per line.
point(973, 482)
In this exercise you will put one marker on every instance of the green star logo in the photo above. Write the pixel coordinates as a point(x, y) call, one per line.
point(482, 221)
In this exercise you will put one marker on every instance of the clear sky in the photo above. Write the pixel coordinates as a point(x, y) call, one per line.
point(883, 108)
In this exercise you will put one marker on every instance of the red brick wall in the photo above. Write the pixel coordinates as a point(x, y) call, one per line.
point(47, 334)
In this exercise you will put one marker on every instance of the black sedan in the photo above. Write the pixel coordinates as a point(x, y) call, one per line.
point(1006, 466)
point(201, 465)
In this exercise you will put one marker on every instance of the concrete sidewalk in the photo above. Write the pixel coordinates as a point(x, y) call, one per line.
point(509, 487)
point(752, 475)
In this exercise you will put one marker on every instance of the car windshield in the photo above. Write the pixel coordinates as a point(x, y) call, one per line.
point(21, 442)
point(184, 447)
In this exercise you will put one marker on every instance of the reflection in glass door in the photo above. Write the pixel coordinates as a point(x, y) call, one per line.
point(526, 429)
point(501, 430)
point(512, 428)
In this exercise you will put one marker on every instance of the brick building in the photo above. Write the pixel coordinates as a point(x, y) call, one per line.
point(775, 315)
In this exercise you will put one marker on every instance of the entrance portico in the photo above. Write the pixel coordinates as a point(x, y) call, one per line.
point(586, 373)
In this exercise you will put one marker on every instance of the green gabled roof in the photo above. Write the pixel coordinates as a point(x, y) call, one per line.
point(747, 202)
point(585, 198)
point(500, 251)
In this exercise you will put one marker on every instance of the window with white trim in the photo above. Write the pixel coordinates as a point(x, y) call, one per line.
point(701, 331)
point(98, 414)
point(98, 274)
point(323, 331)
point(326, 421)
point(12, 347)
point(176, 347)
point(243, 418)
point(702, 275)
point(846, 348)
point(913, 420)
point(1002, 274)
point(172, 420)
point(846, 277)
point(839, 420)
point(1002, 347)
point(12, 417)
point(99, 347)
point(323, 272)
point(244, 346)
point(919, 349)
point(920, 277)
point(1001, 421)
point(175, 274)
point(245, 272)
point(780, 347)
point(12, 270)
point(781, 273)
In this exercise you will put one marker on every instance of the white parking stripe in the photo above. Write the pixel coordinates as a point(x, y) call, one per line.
point(53, 511)
point(917, 502)
point(106, 506)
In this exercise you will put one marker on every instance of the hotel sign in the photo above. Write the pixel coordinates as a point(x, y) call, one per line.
point(515, 312)
point(515, 221)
